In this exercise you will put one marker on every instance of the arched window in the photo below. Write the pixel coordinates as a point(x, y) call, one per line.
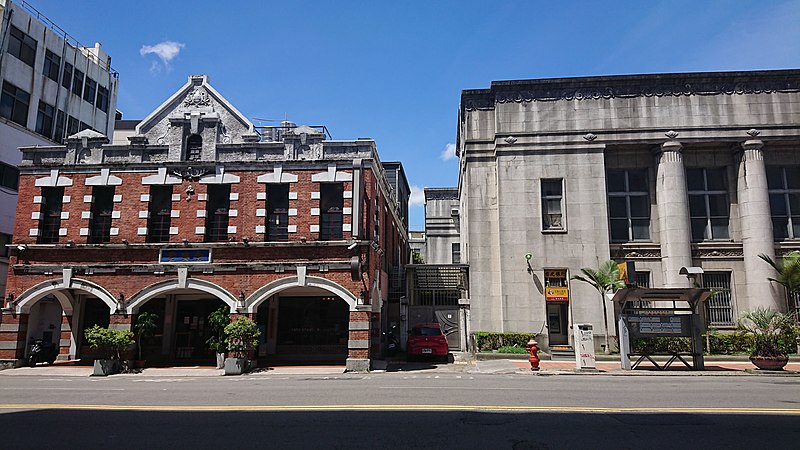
point(194, 147)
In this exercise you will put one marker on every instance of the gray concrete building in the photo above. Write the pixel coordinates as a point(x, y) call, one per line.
point(665, 170)
point(442, 244)
point(52, 87)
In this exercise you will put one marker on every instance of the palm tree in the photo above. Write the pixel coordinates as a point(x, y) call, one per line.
point(788, 271)
point(605, 279)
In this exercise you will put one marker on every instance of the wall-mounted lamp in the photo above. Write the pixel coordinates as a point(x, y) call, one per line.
point(528, 257)
point(185, 242)
point(70, 243)
point(9, 301)
point(246, 241)
point(241, 299)
point(125, 242)
point(691, 274)
point(21, 248)
point(121, 302)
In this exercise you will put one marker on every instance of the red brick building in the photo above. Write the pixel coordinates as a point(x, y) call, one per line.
point(198, 210)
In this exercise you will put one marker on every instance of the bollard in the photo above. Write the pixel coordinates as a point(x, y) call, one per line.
point(533, 349)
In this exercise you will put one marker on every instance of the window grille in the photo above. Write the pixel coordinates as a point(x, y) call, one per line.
point(718, 306)
point(331, 214)
point(102, 207)
point(194, 148)
point(50, 218)
point(217, 213)
point(160, 218)
point(278, 212)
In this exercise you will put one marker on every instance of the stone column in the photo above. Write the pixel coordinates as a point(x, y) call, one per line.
point(358, 344)
point(756, 225)
point(673, 214)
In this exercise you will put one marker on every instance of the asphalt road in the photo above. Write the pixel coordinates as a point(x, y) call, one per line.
point(395, 410)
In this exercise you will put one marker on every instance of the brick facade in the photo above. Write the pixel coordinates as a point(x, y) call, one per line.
point(243, 271)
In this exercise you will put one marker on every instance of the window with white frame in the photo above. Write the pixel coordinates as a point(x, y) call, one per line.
point(628, 205)
point(552, 205)
point(784, 201)
point(708, 203)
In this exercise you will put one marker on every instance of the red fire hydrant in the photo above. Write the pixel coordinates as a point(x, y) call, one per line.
point(533, 349)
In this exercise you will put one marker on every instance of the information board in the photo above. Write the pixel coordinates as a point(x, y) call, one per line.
point(662, 325)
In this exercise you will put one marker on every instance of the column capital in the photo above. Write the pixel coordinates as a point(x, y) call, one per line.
point(752, 150)
point(671, 151)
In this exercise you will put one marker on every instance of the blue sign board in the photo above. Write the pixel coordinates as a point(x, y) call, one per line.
point(184, 255)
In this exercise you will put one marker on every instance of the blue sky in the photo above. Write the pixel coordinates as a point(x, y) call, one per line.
point(394, 71)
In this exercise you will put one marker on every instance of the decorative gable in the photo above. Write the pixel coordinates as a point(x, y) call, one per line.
point(193, 121)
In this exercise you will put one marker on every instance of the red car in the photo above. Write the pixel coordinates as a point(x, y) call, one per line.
point(426, 340)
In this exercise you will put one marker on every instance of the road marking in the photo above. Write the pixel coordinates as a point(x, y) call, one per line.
point(434, 408)
point(61, 389)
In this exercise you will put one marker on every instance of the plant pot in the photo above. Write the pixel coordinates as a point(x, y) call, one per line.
point(769, 362)
point(236, 366)
point(139, 363)
point(105, 367)
point(220, 360)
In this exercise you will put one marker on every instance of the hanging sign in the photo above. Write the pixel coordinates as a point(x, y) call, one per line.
point(556, 294)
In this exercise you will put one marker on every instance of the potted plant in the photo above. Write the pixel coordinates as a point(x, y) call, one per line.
point(217, 321)
point(110, 343)
point(145, 326)
point(772, 336)
point(241, 338)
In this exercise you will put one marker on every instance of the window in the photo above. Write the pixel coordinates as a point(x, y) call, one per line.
point(278, 212)
point(718, 306)
point(217, 218)
point(628, 205)
point(22, 46)
point(52, 63)
point(708, 203)
point(72, 126)
point(50, 217)
point(784, 201)
point(44, 119)
point(5, 241)
point(14, 104)
point(61, 124)
point(90, 90)
point(84, 126)
point(160, 213)
point(66, 75)
point(77, 82)
point(642, 281)
point(102, 99)
point(456, 253)
point(9, 176)
point(102, 206)
point(330, 205)
point(552, 205)
point(194, 148)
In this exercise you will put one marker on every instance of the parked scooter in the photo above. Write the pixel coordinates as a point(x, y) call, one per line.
point(42, 351)
point(392, 344)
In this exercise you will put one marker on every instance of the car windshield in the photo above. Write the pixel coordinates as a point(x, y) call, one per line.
point(426, 331)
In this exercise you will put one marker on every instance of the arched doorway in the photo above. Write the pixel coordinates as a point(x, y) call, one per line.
point(182, 332)
point(60, 310)
point(303, 320)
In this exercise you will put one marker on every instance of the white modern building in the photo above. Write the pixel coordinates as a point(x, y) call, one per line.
point(665, 170)
point(52, 87)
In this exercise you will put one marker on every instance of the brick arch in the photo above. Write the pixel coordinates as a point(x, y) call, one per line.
point(270, 289)
point(163, 287)
point(58, 289)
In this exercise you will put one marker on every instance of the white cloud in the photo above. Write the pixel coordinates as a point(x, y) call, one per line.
point(449, 152)
point(417, 197)
point(166, 52)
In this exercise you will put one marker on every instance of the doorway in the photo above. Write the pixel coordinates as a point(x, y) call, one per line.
point(557, 323)
point(192, 331)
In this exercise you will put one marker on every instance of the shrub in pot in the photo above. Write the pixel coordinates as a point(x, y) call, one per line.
point(241, 338)
point(110, 343)
point(217, 321)
point(145, 326)
point(772, 335)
